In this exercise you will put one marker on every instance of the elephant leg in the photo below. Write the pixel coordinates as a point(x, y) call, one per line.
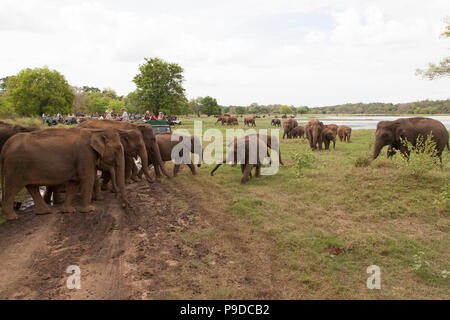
point(97, 190)
point(87, 185)
point(258, 171)
point(246, 173)
point(158, 171)
point(134, 171)
point(57, 199)
point(8, 201)
point(72, 187)
point(48, 194)
point(176, 169)
point(192, 167)
point(106, 178)
point(40, 207)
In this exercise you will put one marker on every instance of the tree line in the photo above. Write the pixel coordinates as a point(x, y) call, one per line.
point(159, 88)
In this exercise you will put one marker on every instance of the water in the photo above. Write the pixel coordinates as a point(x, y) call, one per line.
point(365, 122)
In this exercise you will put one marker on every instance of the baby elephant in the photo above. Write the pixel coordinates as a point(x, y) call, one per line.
point(236, 154)
point(166, 146)
point(298, 132)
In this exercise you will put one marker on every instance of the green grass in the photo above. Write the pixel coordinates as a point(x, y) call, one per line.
point(373, 209)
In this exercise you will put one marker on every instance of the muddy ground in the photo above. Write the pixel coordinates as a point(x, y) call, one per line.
point(149, 252)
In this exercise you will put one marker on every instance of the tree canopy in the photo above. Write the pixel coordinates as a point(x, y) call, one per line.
point(39, 90)
point(160, 86)
point(442, 69)
point(209, 106)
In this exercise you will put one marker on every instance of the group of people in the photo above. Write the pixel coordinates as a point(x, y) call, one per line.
point(107, 115)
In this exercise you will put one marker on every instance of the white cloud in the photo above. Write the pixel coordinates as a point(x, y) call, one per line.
point(292, 52)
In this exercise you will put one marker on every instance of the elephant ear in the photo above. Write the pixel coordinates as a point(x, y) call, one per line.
point(98, 143)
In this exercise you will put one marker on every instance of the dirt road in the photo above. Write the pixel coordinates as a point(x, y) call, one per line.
point(154, 251)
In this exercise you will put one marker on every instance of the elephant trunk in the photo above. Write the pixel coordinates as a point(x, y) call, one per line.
point(120, 174)
point(144, 160)
point(378, 146)
point(156, 156)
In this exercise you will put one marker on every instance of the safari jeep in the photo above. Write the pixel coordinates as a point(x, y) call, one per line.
point(160, 126)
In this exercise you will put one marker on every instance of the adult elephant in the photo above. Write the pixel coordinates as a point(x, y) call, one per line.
point(250, 121)
point(328, 136)
point(166, 145)
point(55, 157)
point(392, 132)
point(149, 140)
point(288, 125)
point(276, 122)
point(313, 131)
point(344, 133)
point(7, 130)
point(298, 132)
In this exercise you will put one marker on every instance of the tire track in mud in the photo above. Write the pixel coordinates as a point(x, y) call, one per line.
point(139, 254)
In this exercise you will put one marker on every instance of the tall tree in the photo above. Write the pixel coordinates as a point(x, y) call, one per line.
point(209, 106)
point(285, 109)
point(442, 69)
point(159, 85)
point(40, 90)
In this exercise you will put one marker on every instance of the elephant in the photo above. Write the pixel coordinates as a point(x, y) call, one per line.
point(344, 133)
point(313, 131)
point(298, 132)
point(232, 121)
point(221, 119)
point(246, 167)
point(8, 130)
point(268, 141)
point(391, 132)
point(250, 121)
point(149, 141)
point(166, 146)
point(288, 125)
point(276, 122)
point(328, 135)
point(333, 127)
point(56, 157)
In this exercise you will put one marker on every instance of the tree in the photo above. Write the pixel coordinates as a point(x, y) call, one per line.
point(241, 110)
point(209, 106)
point(443, 68)
point(285, 110)
point(303, 110)
point(80, 101)
point(40, 90)
point(159, 85)
point(194, 106)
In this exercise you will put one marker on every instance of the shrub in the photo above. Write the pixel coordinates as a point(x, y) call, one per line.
point(362, 161)
point(303, 160)
point(422, 157)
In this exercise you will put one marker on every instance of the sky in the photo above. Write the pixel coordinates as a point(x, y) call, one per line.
point(303, 52)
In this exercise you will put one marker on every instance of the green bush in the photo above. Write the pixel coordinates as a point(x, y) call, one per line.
point(422, 157)
point(302, 160)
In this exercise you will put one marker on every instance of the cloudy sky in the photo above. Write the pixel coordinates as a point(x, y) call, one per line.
point(302, 52)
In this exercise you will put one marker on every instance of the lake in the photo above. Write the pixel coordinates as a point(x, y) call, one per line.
point(365, 122)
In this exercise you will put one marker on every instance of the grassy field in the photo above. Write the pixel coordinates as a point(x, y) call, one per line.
point(377, 212)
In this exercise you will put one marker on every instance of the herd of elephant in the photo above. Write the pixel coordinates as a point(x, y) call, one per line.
point(316, 132)
point(71, 159)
